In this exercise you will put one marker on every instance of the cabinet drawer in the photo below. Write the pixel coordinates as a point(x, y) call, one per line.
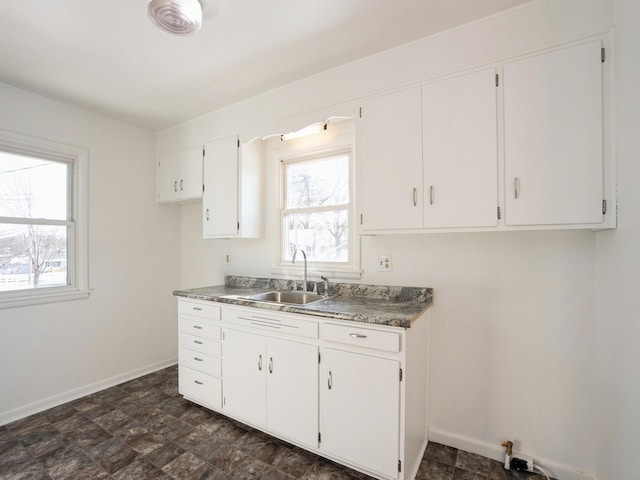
point(203, 388)
point(200, 329)
point(199, 309)
point(272, 323)
point(200, 361)
point(362, 337)
point(200, 344)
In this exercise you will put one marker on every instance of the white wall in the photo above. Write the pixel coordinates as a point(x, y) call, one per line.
point(618, 275)
point(127, 326)
point(513, 327)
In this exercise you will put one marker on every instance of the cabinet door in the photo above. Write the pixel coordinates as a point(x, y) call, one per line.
point(243, 372)
point(389, 162)
point(190, 183)
point(554, 137)
point(460, 151)
point(167, 181)
point(360, 409)
point(220, 198)
point(292, 390)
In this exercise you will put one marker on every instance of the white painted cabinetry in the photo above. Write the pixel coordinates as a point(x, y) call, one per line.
point(233, 185)
point(179, 176)
point(199, 352)
point(389, 162)
point(553, 106)
point(355, 394)
point(460, 151)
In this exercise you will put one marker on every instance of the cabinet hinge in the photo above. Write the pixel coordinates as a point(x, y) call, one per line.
point(361, 219)
point(203, 188)
point(400, 374)
point(238, 143)
point(238, 226)
point(399, 466)
point(499, 213)
point(319, 437)
point(224, 401)
point(360, 112)
point(604, 207)
point(602, 55)
point(203, 152)
point(318, 357)
point(497, 80)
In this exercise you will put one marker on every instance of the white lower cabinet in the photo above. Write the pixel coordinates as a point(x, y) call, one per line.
point(351, 392)
point(360, 409)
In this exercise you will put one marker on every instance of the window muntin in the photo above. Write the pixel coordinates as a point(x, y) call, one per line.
point(35, 222)
point(317, 213)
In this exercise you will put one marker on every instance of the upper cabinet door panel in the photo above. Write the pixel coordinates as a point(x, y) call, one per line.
point(554, 137)
point(389, 162)
point(460, 138)
point(191, 174)
point(220, 200)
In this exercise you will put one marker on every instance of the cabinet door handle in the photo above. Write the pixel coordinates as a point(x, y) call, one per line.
point(206, 214)
point(260, 363)
point(197, 342)
point(175, 186)
point(197, 308)
point(181, 183)
point(516, 187)
point(357, 335)
point(197, 327)
point(329, 380)
point(270, 364)
point(431, 195)
point(198, 382)
point(415, 197)
point(198, 359)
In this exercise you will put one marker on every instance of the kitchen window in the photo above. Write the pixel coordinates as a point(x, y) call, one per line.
point(42, 221)
point(318, 210)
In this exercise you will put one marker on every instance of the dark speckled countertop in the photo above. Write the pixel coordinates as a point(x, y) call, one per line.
point(375, 304)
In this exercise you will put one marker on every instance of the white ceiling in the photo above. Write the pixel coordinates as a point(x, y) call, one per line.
point(106, 56)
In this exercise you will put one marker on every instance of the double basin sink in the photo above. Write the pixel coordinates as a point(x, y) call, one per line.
point(290, 297)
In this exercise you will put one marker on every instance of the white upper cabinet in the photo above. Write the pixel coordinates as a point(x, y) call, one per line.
point(553, 107)
point(460, 151)
point(231, 205)
point(389, 162)
point(179, 176)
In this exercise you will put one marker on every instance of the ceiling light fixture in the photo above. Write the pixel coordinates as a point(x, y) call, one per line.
point(178, 17)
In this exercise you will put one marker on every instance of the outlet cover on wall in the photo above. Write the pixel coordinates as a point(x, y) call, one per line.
point(227, 258)
point(384, 263)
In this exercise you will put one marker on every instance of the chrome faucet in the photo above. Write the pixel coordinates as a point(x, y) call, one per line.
point(304, 287)
point(326, 285)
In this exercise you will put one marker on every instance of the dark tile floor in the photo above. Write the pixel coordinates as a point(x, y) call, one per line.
point(143, 429)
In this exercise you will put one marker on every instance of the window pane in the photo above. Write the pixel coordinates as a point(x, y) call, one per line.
point(318, 183)
point(32, 187)
point(32, 256)
point(323, 236)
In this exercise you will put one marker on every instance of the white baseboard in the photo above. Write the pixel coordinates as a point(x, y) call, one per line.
point(496, 452)
point(64, 397)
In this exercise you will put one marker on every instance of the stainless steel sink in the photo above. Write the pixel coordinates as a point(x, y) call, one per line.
point(289, 296)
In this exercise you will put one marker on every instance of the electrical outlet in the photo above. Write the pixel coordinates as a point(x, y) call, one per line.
point(227, 258)
point(384, 263)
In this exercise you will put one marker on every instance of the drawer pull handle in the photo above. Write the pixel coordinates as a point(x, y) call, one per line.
point(260, 363)
point(329, 380)
point(198, 382)
point(197, 327)
point(198, 359)
point(198, 342)
point(357, 335)
point(198, 308)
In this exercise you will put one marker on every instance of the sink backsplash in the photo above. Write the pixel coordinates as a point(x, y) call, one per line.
point(381, 292)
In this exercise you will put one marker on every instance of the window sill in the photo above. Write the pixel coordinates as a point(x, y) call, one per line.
point(26, 300)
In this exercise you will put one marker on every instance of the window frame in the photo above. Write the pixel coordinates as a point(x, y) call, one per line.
point(76, 223)
point(350, 269)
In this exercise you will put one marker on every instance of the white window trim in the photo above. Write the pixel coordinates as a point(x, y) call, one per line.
point(349, 270)
point(78, 254)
